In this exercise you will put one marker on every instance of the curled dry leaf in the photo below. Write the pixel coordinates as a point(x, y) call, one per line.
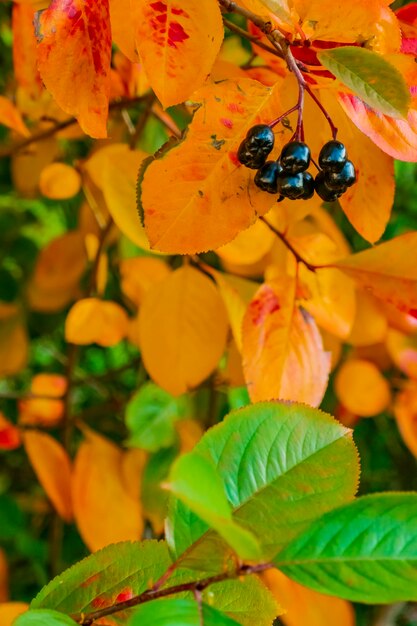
point(105, 509)
point(52, 466)
point(96, 321)
point(361, 388)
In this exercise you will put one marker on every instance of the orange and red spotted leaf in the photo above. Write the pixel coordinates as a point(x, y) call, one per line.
point(92, 320)
point(304, 606)
point(52, 466)
point(10, 117)
point(361, 388)
point(181, 38)
point(405, 411)
point(104, 508)
point(183, 330)
point(74, 54)
point(10, 437)
point(283, 355)
point(387, 271)
point(196, 196)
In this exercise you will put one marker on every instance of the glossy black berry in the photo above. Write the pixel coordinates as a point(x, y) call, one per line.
point(308, 184)
point(253, 160)
point(332, 156)
point(256, 146)
point(295, 157)
point(267, 177)
point(324, 191)
point(345, 178)
point(291, 185)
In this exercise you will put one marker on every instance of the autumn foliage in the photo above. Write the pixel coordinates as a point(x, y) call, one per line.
point(169, 330)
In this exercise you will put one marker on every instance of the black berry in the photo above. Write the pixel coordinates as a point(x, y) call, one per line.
point(332, 156)
point(256, 146)
point(324, 191)
point(253, 160)
point(267, 177)
point(295, 157)
point(345, 178)
point(308, 184)
point(291, 185)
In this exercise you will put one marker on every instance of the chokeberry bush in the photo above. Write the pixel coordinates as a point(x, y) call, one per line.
point(208, 313)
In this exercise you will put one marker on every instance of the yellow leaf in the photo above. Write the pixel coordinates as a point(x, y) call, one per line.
point(96, 321)
point(43, 411)
point(370, 324)
point(180, 37)
point(27, 165)
point(13, 346)
point(305, 607)
point(196, 196)
point(387, 271)
point(283, 355)
point(52, 466)
point(183, 329)
point(361, 388)
point(59, 181)
point(403, 351)
point(74, 54)
point(249, 247)
point(133, 464)
point(139, 274)
point(405, 411)
point(10, 610)
point(105, 510)
point(10, 117)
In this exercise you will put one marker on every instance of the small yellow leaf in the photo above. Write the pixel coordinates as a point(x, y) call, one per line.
point(10, 117)
point(43, 411)
point(59, 181)
point(96, 321)
point(139, 274)
point(14, 346)
point(105, 509)
point(361, 388)
point(53, 469)
point(183, 330)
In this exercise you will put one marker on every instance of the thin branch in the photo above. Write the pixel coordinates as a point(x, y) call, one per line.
point(288, 245)
point(252, 38)
point(154, 594)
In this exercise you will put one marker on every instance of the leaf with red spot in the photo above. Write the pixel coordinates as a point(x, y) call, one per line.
point(74, 54)
point(9, 435)
point(181, 38)
point(113, 574)
point(283, 354)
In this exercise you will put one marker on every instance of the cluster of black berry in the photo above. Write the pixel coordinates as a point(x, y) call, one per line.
point(288, 175)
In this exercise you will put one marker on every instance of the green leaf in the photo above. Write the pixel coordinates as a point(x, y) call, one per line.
point(150, 417)
point(43, 617)
point(194, 480)
point(369, 76)
point(116, 572)
point(365, 551)
point(282, 466)
point(178, 612)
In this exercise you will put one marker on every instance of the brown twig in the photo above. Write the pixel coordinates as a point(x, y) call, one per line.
point(252, 38)
point(156, 593)
point(290, 247)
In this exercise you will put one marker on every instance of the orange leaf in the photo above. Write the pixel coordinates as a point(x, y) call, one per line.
point(10, 610)
point(10, 117)
point(190, 432)
point(52, 466)
point(13, 346)
point(186, 210)
point(96, 321)
point(24, 49)
point(74, 59)
point(361, 388)
point(370, 324)
point(183, 328)
point(59, 181)
point(181, 38)
point(105, 510)
point(405, 411)
point(368, 203)
point(249, 247)
point(40, 411)
point(403, 351)
point(10, 438)
point(283, 355)
point(139, 274)
point(305, 607)
point(387, 271)
point(122, 28)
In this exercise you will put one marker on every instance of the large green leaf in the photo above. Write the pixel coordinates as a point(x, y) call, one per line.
point(194, 480)
point(282, 466)
point(178, 612)
point(43, 617)
point(116, 572)
point(365, 551)
point(369, 76)
point(150, 417)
